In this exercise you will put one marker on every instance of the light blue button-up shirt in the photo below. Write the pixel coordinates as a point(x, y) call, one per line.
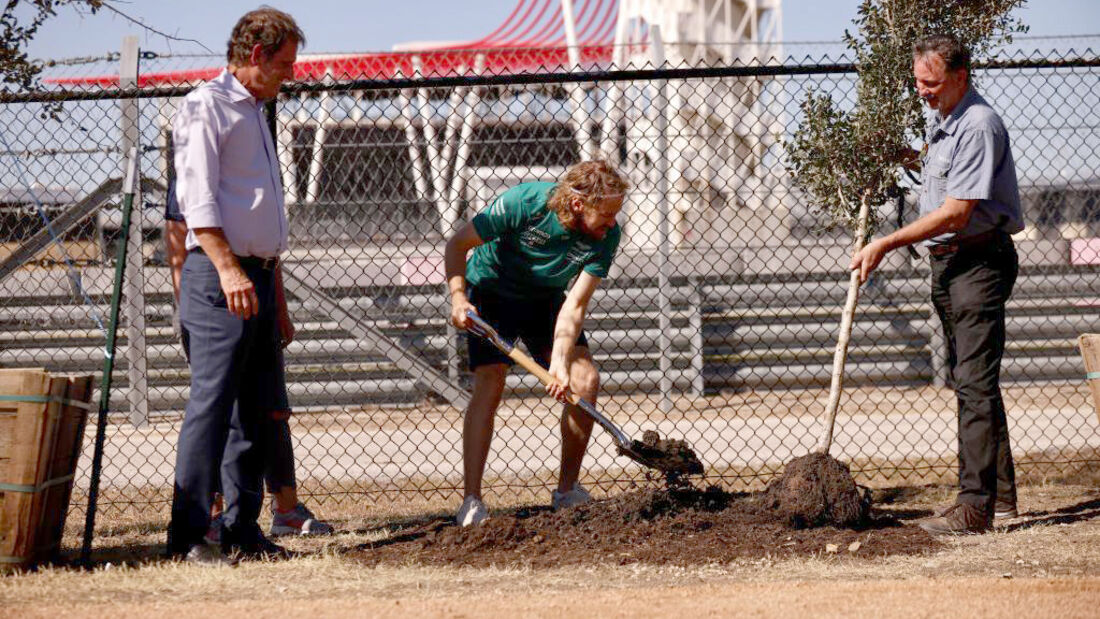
point(969, 158)
point(227, 172)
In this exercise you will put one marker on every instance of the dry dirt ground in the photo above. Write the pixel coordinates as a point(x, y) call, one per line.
point(1044, 564)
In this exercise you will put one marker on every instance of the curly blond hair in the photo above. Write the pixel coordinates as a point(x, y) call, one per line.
point(591, 181)
point(266, 26)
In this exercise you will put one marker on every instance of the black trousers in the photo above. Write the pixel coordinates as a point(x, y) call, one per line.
point(970, 288)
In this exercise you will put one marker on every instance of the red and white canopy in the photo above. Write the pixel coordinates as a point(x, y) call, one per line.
point(531, 39)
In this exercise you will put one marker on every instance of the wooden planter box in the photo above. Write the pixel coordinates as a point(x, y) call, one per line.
point(1090, 350)
point(42, 420)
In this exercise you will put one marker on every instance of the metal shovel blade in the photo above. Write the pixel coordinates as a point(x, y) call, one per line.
point(679, 459)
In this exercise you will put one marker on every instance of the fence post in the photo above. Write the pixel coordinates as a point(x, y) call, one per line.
point(696, 321)
point(660, 104)
point(138, 392)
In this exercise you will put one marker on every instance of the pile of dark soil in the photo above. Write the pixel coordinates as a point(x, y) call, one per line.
point(817, 490)
point(671, 526)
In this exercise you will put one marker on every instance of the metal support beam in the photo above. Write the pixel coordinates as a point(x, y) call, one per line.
point(354, 324)
point(660, 104)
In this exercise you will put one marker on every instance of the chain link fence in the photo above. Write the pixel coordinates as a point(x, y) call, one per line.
point(716, 325)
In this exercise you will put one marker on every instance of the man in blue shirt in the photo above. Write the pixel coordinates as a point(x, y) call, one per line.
point(969, 205)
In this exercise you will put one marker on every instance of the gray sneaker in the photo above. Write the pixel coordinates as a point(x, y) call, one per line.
point(207, 555)
point(958, 519)
point(298, 521)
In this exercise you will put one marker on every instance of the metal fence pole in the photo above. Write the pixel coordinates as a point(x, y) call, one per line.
point(698, 295)
point(138, 392)
point(660, 104)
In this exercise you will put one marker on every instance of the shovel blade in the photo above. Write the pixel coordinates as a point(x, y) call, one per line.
point(681, 459)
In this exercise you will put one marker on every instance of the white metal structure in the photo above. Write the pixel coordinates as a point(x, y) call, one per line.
point(714, 154)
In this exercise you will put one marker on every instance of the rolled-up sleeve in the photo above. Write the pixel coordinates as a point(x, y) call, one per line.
point(196, 143)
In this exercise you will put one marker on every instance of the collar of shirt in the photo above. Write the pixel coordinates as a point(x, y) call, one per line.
point(234, 89)
point(948, 125)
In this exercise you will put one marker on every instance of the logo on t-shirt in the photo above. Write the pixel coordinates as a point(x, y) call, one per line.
point(580, 253)
point(533, 237)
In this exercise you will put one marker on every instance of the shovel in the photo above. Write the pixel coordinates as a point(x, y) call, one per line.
point(675, 459)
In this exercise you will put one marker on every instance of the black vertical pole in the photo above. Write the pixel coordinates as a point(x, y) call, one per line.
point(129, 189)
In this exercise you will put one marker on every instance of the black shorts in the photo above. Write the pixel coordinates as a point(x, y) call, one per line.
point(530, 320)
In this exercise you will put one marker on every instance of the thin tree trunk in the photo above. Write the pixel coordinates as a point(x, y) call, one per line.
point(841, 353)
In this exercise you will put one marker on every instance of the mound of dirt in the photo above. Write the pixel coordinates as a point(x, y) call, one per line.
point(670, 526)
point(817, 490)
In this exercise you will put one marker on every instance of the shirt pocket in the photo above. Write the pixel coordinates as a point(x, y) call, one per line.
point(938, 172)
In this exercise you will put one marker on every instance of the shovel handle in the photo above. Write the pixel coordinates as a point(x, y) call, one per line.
point(483, 329)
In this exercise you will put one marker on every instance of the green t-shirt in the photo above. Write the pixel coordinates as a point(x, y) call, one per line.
point(527, 253)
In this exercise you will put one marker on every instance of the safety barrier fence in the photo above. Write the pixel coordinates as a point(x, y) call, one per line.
point(716, 324)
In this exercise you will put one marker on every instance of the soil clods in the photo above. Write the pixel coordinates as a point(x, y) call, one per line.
point(673, 457)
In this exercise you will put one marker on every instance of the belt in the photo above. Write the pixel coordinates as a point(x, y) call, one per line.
point(954, 245)
point(266, 264)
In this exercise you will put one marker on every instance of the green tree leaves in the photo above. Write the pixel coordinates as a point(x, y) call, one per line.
point(18, 24)
point(841, 157)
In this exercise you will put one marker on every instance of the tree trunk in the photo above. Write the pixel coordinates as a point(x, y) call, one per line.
point(841, 353)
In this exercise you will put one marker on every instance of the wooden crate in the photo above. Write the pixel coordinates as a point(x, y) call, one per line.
point(1090, 350)
point(42, 421)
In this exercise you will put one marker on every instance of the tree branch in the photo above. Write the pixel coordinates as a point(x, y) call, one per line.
point(107, 4)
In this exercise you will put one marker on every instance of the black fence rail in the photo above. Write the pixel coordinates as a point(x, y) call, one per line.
point(717, 323)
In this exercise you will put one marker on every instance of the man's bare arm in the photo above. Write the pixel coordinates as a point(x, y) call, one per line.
point(951, 216)
point(454, 262)
point(567, 328)
point(175, 238)
point(282, 312)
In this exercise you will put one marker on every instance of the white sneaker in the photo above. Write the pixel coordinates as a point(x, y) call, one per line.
point(571, 498)
point(472, 512)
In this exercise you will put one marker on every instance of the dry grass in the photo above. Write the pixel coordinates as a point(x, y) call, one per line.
point(1048, 561)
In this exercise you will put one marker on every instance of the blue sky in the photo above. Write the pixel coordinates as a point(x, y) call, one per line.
point(372, 25)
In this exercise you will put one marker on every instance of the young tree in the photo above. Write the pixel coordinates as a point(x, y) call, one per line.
point(848, 160)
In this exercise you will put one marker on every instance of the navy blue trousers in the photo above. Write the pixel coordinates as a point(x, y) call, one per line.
point(278, 443)
point(969, 290)
point(236, 381)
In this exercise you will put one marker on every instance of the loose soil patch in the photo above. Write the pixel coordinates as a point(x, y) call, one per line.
point(680, 526)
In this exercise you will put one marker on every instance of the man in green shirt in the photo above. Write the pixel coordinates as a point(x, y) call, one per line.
point(527, 246)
